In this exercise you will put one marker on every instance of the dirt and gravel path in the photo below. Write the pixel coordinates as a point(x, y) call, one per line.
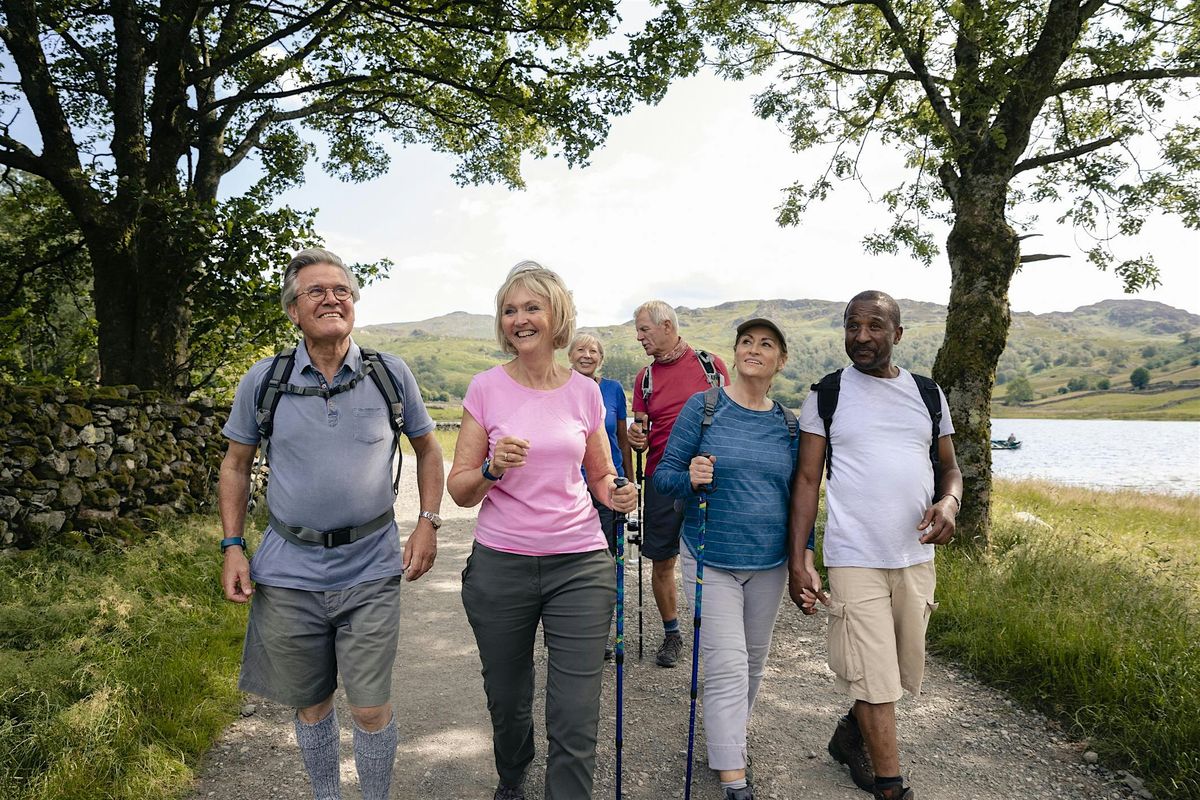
point(960, 741)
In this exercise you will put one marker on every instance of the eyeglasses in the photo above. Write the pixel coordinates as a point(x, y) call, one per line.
point(317, 293)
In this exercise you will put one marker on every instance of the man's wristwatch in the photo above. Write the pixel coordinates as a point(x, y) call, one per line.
point(434, 519)
point(230, 541)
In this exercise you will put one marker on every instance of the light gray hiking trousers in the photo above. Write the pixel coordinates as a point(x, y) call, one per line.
point(738, 611)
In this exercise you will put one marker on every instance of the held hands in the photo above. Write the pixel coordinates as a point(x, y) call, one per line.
point(700, 470)
point(624, 499)
point(804, 587)
point(510, 453)
point(235, 576)
point(938, 522)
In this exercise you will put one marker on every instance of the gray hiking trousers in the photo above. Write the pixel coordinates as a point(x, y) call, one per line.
point(572, 595)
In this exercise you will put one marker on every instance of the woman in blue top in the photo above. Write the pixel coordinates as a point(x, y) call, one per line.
point(587, 355)
point(753, 447)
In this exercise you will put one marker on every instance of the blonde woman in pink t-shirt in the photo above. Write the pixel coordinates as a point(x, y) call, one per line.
point(539, 554)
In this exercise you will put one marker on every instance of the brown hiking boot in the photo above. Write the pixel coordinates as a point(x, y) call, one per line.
point(847, 747)
point(894, 793)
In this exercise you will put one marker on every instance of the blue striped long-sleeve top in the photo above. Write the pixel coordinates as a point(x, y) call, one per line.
point(748, 512)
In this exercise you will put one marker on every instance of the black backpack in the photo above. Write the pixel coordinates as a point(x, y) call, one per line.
point(276, 386)
point(828, 389)
point(711, 373)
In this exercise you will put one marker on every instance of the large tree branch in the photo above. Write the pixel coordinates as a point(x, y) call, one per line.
point(1125, 76)
point(842, 69)
point(99, 73)
point(1064, 155)
point(59, 161)
point(129, 105)
point(223, 62)
point(916, 61)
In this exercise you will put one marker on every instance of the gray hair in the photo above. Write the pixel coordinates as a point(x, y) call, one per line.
point(659, 312)
point(307, 258)
point(586, 338)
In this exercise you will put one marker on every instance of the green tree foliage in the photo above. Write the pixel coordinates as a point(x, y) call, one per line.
point(47, 330)
point(140, 109)
point(1140, 378)
point(1019, 391)
point(990, 105)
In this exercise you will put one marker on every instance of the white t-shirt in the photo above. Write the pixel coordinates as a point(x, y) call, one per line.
point(882, 479)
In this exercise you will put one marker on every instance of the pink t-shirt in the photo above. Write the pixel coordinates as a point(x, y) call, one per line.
point(542, 508)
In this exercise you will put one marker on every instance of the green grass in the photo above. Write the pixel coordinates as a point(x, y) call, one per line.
point(117, 668)
point(1177, 404)
point(1096, 621)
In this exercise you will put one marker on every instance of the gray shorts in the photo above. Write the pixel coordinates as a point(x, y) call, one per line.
point(297, 642)
point(660, 525)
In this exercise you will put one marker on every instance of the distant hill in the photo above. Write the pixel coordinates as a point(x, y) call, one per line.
point(1061, 354)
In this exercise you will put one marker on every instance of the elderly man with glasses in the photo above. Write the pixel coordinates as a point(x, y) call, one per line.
point(326, 578)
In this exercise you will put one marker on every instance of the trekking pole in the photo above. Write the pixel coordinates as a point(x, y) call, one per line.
point(641, 479)
point(704, 490)
point(619, 536)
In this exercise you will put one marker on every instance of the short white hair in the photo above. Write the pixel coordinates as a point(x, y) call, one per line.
point(307, 258)
point(658, 311)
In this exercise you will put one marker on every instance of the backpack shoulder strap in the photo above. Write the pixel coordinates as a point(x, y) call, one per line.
point(271, 390)
point(710, 406)
point(388, 386)
point(391, 390)
point(711, 373)
point(828, 389)
point(647, 383)
point(789, 416)
point(933, 404)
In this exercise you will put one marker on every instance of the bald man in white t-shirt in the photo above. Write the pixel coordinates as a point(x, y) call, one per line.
point(887, 511)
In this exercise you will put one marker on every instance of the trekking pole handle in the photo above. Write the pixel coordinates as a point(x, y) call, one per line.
point(711, 486)
point(617, 484)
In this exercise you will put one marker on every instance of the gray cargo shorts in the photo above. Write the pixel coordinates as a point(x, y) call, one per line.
point(297, 642)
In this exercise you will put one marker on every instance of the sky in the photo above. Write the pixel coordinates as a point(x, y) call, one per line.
point(679, 205)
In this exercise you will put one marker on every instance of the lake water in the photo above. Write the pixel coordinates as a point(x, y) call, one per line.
point(1161, 457)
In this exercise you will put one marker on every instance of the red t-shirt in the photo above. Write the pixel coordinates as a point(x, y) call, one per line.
point(672, 385)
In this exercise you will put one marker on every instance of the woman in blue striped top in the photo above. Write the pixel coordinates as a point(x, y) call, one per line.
point(753, 448)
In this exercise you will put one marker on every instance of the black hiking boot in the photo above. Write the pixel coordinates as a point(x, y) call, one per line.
point(670, 650)
point(900, 792)
point(847, 747)
point(508, 792)
point(746, 793)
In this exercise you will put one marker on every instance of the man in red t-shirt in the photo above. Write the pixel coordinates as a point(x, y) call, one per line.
point(678, 372)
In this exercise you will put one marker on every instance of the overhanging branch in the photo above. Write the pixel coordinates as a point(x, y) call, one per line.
point(1126, 76)
point(1064, 155)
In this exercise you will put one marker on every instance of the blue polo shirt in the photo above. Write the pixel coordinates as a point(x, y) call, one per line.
point(330, 468)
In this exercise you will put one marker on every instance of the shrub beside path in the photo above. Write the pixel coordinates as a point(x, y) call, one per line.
point(959, 741)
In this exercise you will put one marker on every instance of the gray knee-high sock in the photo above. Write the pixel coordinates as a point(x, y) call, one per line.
point(319, 748)
point(375, 755)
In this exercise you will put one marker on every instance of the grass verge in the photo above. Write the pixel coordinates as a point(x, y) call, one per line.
point(1095, 620)
point(117, 668)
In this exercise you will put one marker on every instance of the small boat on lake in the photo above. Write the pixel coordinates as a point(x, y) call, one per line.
point(1006, 444)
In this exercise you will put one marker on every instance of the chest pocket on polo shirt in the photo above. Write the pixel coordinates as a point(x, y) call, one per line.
point(370, 425)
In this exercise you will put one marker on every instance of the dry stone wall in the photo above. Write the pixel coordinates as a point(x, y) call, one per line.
point(78, 464)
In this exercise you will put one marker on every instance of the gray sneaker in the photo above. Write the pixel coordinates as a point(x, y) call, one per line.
point(740, 794)
point(670, 650)
point(847, 747)
point(508, 792)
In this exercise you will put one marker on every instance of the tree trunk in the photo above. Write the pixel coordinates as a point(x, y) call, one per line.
point(141, 286)
point(984, 253)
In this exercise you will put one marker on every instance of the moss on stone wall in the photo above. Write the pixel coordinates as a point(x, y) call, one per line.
point(77, 465)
